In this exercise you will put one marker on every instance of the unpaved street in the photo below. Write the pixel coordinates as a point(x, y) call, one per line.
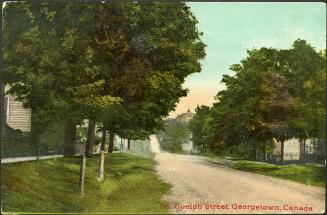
point(198, 184)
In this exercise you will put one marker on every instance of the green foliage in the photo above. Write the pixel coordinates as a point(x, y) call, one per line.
point(99, 101)
point(122, 64)
point(306, 75)
point(272, 95)
point(202, 130)
point(256, 101)
point(81, 134)
point(306, 174)
point(51, 138)
point(149, 78)
point(9, 146)
point(22, 144)
point(52, 186)
point(173, 135)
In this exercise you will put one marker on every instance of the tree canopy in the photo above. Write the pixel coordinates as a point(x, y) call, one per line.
point(272, 95)
point(118, 63)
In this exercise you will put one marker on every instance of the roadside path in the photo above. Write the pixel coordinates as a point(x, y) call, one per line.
point(197, 182)
point(20, 159)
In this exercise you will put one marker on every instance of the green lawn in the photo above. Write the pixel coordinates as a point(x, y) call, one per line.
point(306, 174)
point(131, 186)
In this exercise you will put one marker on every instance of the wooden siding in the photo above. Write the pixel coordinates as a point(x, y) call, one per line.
point(18, 117)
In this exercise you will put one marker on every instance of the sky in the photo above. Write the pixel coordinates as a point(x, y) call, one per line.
point(230, 29)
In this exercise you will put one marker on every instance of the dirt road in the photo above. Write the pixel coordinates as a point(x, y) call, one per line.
point(202, 187)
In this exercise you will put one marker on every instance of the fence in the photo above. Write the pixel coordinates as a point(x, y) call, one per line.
point(50, 140)
point(142, 148)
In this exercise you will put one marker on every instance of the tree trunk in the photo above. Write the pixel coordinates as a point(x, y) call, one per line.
point(128, 144)
point(238, 151)
point(70, 139)
point(38, 150)
point(101, 167)
point(302, 149)
point(82, 174)
point(111, 141)
point(212, 148)
point(101, 157)
point(248, 152)
point(90, 138)
point(254, 153)
point(264, 152)
point(282, 151)
point(36, 144)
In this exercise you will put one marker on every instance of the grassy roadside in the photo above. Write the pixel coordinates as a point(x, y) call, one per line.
point(131, 186)
point(302, 173)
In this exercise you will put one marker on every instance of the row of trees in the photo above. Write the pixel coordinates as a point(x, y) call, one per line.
point(273, 95)
point(120, 65)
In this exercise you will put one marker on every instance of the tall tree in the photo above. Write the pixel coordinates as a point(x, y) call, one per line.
point(91, 58)
point(305, 69)
point(276, 106)
point(272, 95)
point(202, 130)
point(32, 58)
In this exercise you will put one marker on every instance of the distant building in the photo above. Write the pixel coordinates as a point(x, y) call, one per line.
point(16, 116)
point(185, 117)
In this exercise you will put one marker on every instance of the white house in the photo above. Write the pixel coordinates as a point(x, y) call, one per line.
point(16, 116)
point(291, 149)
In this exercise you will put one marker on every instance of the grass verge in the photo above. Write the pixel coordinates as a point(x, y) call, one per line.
point(305, 174)
point(51, 186)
